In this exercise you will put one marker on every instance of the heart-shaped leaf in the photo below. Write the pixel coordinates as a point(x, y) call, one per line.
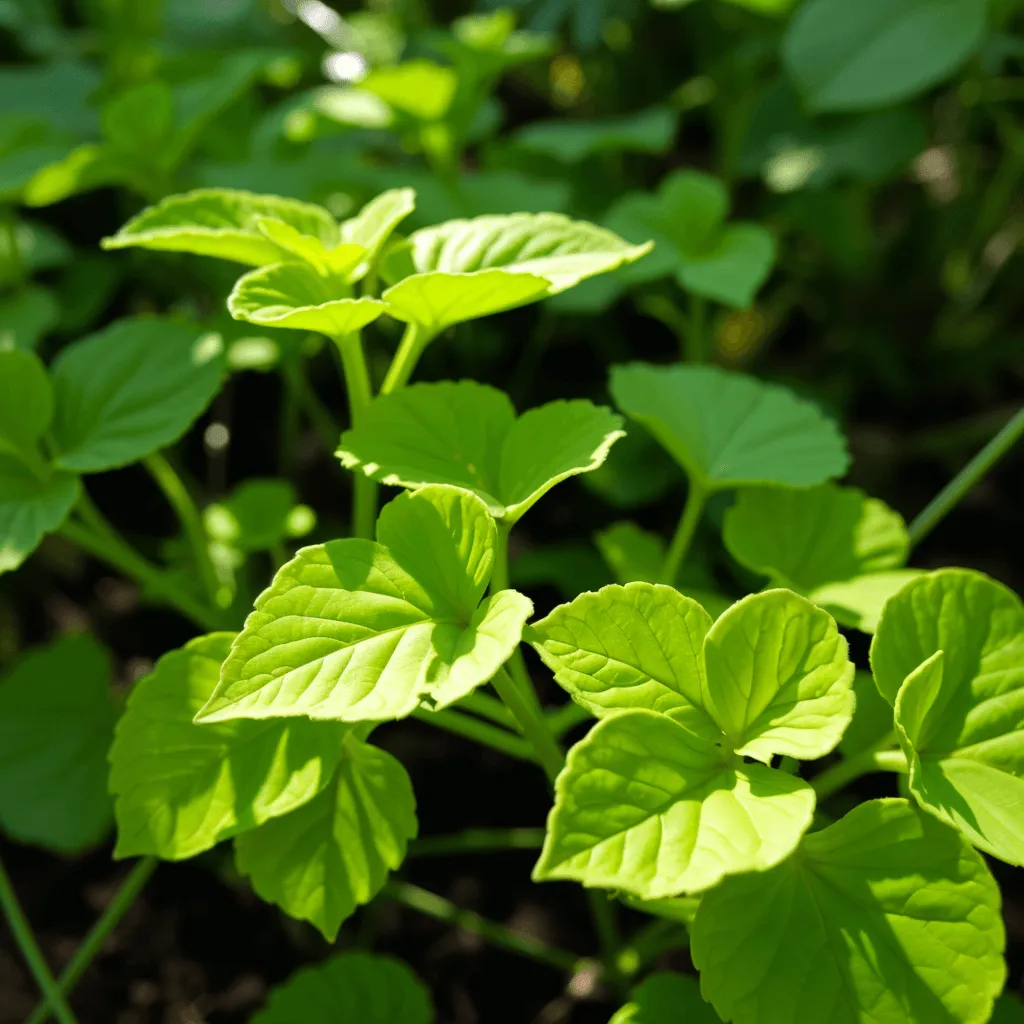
point(26, 402)
point(295, 295)
point(734, 269)
point(180, 787)
point(727, 429)
point(362, 631)
point(875, 53)
point(30, 507)
point(130, 390)
point(465, 269)
point(467, 434)
point(833, 544)
point(334, 853)
point(350, 987)
point(223, 223)
point(646, 799)
point(886, 916)
point(56, 723)
point(949, 655)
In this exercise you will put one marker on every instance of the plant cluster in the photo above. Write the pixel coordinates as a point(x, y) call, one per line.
point(695, 698)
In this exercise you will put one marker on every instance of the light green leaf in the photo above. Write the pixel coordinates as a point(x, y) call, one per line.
point(734, 269)
point(26, 402)
point(666, 998)
point(418, 88)
point(467, 434)
point(361, 631)
point(25, 317)
point(259, 514)
point(334, 853)
point(372, 226)
point(56, 723)
point(339, 261)
point(951, 644)
point(632, 646)
point(131, 389)
point(803, 538)
point(465, 269)
point(353, 987)
point(180, 787)
point(30, 507)
point(858, 603)
point(727, 429)
point(648, 807)
point(222, 223)
point(779, 678)
point(885, 917)
point(82, 169)
point(570, 142)
point(295, 295)
point(875, 53)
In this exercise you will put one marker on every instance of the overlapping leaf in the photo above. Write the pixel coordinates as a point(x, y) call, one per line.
point(181, 787)
point(356, 630)
point(31, 506)
point(834, 544)
point(56, 722)
point(223, 223)
point(727, 429)
point(334, 853)
point(350, 986)
point(886, 916)
point(949, 655)
point(468, 435)
point(666, 998)
point(131, 389)
point(465, 269)
point(657, 799)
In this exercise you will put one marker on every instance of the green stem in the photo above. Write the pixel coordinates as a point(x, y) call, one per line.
point(179, 498)
point(531, 721)
point(294, 371)
point(660, 936)
point(840, 775)
point(485, 706)
point(122, 557)
point(360, 394)
point(414, 341)
point(967, 478)
point(22, 932)
point(694, 344)
point(481, 732)
point(567, 717)
point(604, 914)
point(478, 840)
point(695, 501)
point(124, 898)
point(440, 909)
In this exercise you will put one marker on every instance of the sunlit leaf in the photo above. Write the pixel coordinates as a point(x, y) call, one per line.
point(727, 429)
point(886, 916)
point(468, 435)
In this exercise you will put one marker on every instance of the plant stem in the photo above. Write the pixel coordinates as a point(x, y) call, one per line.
point(840, 775)
point(532, 723)
point(604, 914)
point(126, 895)
point(681, 539)
point(410, 348)
point(967, 478)
point(481, 732)
point(478, 840)
point(22, 932)
point(360, 394)
point(485, 706)
point(694, 348)
point(440, 909)
point(179, 498)
point(122, 557)
point(567, 717)
point(650, 942)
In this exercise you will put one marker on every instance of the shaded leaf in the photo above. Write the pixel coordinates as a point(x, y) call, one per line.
point(26, 402)
point(647, 131)
point(30, 507)
point(666, 998)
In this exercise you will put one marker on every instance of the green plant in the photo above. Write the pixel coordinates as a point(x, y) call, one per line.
point(706, 669)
